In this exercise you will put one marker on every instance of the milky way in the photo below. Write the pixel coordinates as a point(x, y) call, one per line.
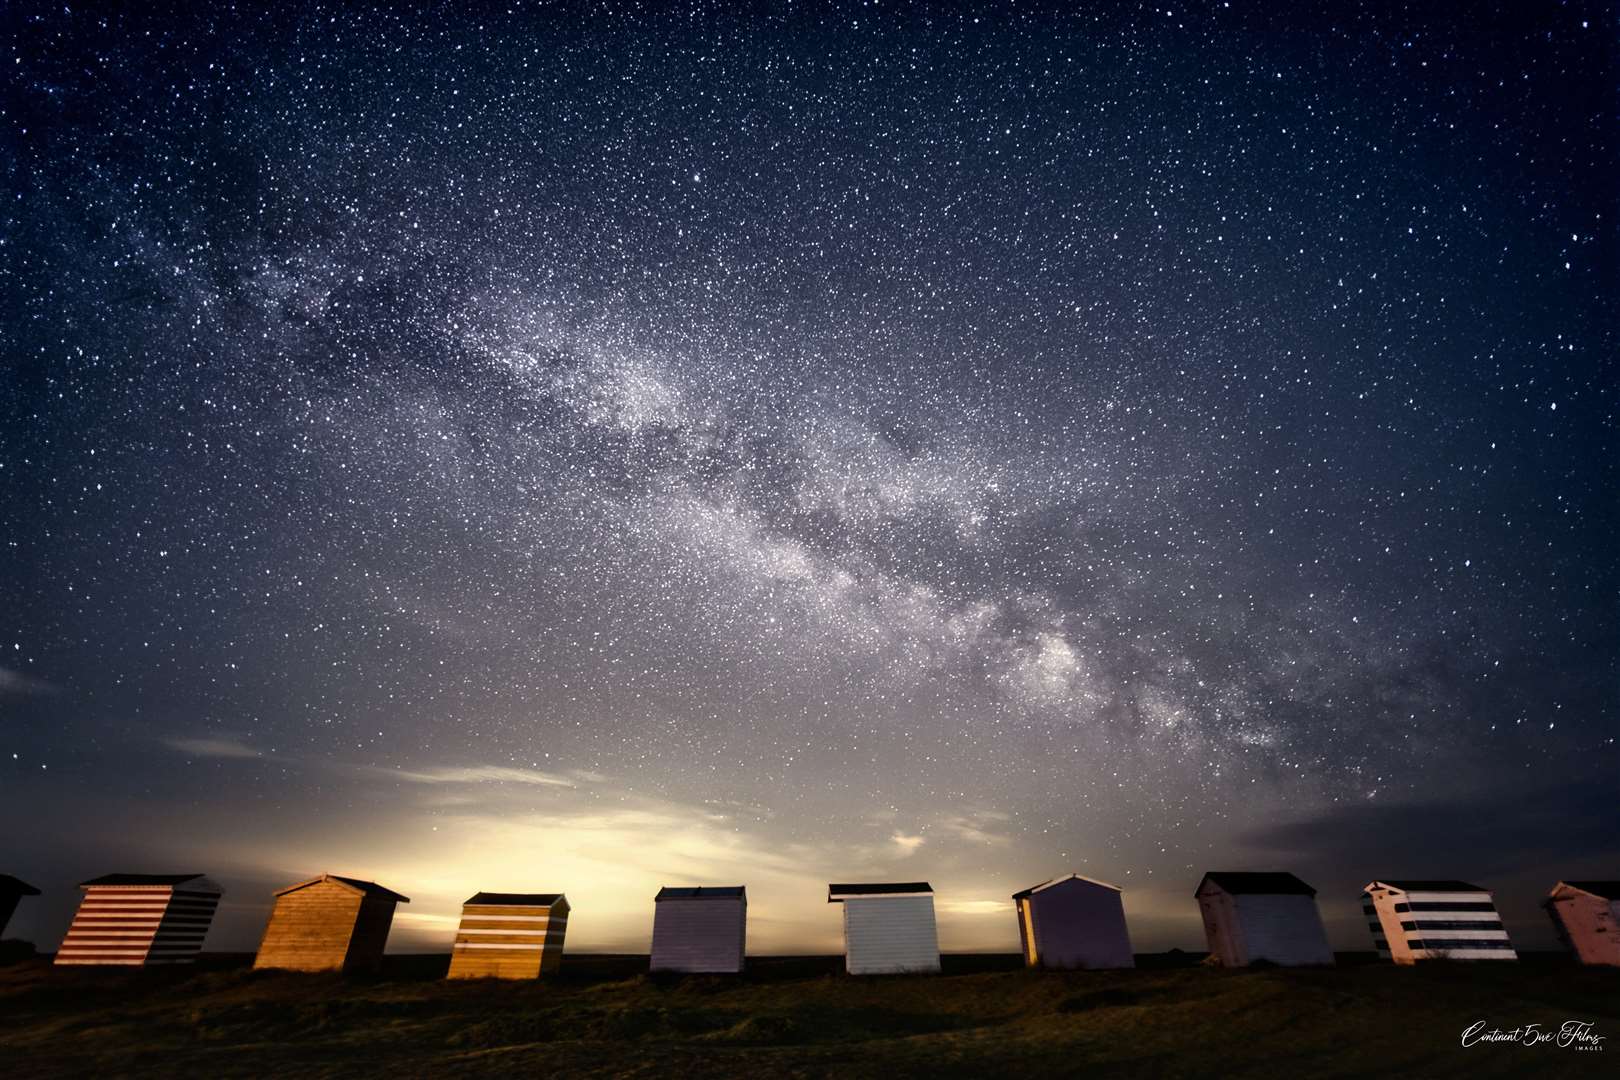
point(593, 450)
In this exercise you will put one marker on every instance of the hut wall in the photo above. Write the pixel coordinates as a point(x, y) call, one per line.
point(890, 934)
point(1026, 933)
point(1283, 929)
point(508, 941)
point(310, 928)
point(1080, 925)
point(8, 908)
point(370, 934)
point(699, 934)
point(1222, 931)
point(1385, 926)
point(1588, 924)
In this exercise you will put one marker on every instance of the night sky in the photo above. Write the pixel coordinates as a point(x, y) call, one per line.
point(585, 450)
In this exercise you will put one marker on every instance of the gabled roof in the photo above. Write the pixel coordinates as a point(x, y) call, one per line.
point(1270, 883)
point(515, 899)
point(837, 893)
point(10, 886)
point(1024, 894)
point(369, 888)
point(142, 879)
point(700, 892)
point(1425, 885)
point(1609, 890)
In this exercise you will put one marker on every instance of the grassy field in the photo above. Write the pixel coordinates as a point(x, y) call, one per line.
point(801, 1017)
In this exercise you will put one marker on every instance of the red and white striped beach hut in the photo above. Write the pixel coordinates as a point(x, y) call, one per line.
point(138, 920)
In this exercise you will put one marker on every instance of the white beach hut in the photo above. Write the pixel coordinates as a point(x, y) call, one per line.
point(888, 927)
point(1269, 917)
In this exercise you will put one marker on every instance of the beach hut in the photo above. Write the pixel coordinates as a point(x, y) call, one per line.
point(888, 927)
point(1269, 917)
point(1073, 922)
point(1586, 915)
point(510, 936)
point(12, 890)
point(141, 919)
point(700, 928)
point(328, 923)
point(1429, 920)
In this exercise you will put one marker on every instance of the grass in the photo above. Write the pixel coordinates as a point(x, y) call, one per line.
point(801, 1017)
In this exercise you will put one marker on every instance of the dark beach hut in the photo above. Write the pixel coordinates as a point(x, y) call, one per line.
point(12, 890)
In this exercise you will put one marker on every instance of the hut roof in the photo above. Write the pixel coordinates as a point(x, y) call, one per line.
point(1273, 883)
point(700, 892)
point(1427, 885)
point(140, 879)
point(10, 886)
point(515, 899)
point(370, 888)
point(1024, 894)
point(1609, 890)
point(837, 893)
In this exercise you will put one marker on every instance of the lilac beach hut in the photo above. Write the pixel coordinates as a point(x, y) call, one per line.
point(1073, 922)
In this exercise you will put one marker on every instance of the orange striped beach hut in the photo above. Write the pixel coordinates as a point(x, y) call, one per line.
point(510, 936)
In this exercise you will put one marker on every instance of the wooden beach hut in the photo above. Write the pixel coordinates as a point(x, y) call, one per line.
point(138, 920)
point(1073, 922)
point(888, 927)
point(701, 928)
point(1268, 916)
point(12, 890)
point(1415, 920)
point(1586, 915)
point(328, 923)
point(510, 936)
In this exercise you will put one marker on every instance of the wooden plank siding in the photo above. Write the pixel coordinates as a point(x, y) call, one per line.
point(1413, 921)
point(140, 925)
point(1270, 916)
point(327, 924)
point(890, 935)
point(509, 940)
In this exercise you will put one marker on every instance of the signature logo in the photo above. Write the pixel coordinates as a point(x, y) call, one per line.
point(1571, 1035)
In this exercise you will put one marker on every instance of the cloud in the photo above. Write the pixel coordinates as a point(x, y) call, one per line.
point(978, 828)
point(906, 845)
point(16, 684)
point(213, 747)
point(1477, 834)
point(973, 907)
point(481, 774)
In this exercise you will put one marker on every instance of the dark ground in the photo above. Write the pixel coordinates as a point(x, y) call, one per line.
point(802, 1017)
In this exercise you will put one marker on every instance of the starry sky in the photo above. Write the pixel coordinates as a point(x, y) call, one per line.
point(590, 448)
